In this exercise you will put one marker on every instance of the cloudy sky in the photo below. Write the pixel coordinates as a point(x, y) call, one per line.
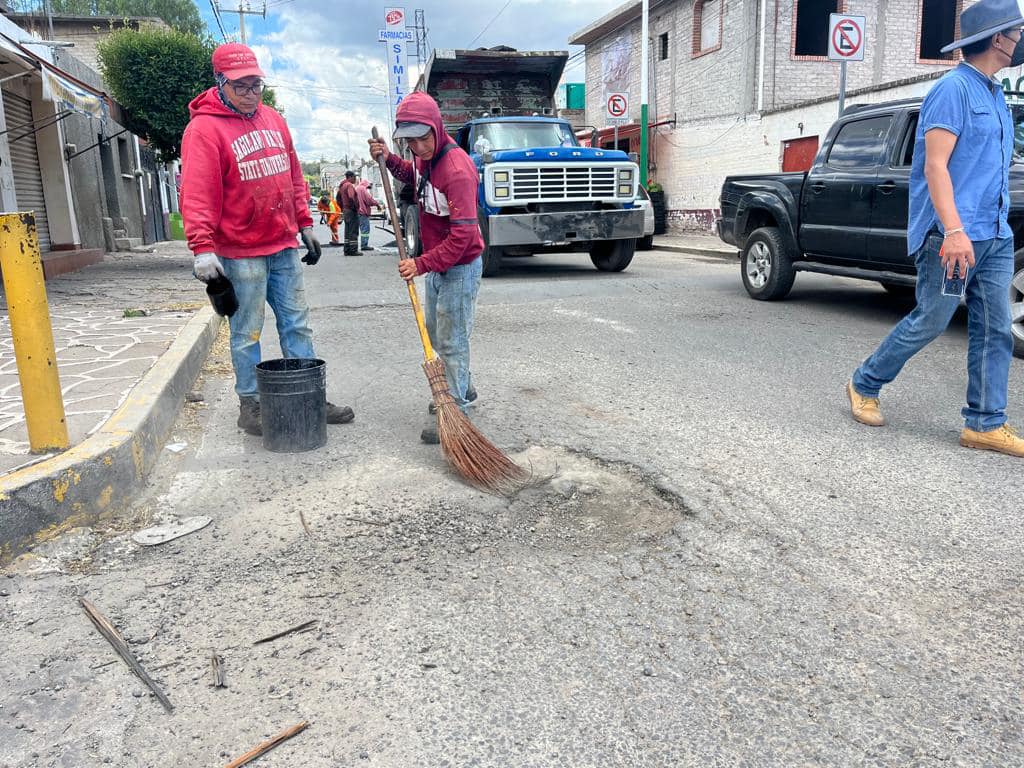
point(324, 61)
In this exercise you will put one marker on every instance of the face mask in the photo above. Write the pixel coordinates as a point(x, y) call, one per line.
point(1017, 57)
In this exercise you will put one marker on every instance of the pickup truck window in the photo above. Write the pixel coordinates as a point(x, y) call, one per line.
point(906, 156)
point(511, 135)
point(860, 143)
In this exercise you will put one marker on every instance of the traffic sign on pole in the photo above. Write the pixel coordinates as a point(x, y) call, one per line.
point(846, 37)
point(617, 105)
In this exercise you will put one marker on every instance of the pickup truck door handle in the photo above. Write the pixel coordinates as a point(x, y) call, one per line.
point(886, 187)
point(818, 186)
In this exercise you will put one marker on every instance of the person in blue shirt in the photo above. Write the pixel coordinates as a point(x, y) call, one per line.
point(959, 200)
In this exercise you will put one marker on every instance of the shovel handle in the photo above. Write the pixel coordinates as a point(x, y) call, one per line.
point(389, 195)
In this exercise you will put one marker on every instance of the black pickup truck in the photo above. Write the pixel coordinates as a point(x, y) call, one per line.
point(847, 215)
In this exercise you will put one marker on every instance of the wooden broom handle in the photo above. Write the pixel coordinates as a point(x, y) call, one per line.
point(428, 348)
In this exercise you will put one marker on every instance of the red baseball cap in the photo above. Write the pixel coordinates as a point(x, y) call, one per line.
point(235, 61)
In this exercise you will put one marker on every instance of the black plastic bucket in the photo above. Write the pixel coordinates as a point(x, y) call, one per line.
point(293, 404)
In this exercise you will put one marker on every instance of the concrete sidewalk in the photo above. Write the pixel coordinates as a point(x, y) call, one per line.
point(131, 334)
point(696, 243)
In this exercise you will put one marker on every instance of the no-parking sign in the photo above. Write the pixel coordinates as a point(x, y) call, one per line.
point(846, 35)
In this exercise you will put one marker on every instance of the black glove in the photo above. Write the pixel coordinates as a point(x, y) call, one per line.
point(313, 250)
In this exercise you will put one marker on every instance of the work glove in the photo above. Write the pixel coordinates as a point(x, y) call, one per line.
point(207, 267)
point(313, 250)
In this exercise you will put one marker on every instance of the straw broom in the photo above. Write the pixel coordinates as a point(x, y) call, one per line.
point(469, 453)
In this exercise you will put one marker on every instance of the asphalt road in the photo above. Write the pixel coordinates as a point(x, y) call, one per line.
point(716, 566)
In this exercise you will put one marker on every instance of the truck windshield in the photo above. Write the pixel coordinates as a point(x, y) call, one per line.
point(499, 136)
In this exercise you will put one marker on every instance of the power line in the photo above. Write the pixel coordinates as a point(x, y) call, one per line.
point(220, 22)
point(506, 5)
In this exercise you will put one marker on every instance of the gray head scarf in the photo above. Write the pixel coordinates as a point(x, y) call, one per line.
point(221, 82)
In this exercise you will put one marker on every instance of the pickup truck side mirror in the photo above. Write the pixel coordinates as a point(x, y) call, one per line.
point(593, 138)
point(634, 157)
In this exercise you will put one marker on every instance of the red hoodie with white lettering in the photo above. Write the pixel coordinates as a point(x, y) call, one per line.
point(242, 189)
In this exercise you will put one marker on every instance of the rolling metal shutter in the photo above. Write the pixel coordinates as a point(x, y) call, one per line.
point(28, 181)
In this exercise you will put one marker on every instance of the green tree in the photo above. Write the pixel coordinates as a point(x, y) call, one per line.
point(182, 15)
point(154, 74)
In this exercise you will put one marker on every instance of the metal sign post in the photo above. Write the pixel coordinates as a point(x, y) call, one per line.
point(846, 35)
point(617, 106)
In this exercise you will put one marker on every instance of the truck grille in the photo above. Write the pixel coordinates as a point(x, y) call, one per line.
point(563, 183)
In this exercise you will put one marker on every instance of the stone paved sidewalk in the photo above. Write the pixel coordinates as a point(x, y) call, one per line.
point(111, 323)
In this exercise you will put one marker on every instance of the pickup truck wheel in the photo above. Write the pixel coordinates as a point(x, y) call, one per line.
point(645, 243)
point(768, 272)
point(1017, 303)
point(612, 255)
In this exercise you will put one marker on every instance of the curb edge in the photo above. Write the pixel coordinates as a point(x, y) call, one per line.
point(103, 472)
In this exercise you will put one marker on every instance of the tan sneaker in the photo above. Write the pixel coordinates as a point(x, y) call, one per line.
point(864, 409)
point(1003, 440)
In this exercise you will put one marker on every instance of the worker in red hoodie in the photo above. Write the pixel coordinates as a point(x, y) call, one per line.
point(243, 201)
point(366, 203)
point(445, 181)
point(348, 199)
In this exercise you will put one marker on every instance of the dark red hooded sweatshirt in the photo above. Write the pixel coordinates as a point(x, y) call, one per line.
point(448, 223)
point(242, 190)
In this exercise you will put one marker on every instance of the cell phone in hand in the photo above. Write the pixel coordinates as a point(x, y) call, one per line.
point(955, 285)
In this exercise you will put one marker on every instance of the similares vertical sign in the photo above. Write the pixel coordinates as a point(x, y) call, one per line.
point(395, 36)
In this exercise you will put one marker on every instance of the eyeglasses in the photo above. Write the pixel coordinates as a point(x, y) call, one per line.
point(241, 89)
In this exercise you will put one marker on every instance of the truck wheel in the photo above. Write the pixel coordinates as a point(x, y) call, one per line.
point(411, 231)
point(768, 272)
point(645, 243)
point(612, 255)
point(1017, 303)
point(491, 255)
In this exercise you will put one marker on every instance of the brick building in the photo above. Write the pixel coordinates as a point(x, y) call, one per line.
point(745, 86)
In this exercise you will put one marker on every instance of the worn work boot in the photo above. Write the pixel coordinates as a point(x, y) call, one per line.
point(249, 416)
point(367, 248)
point(864, 409)
point(1003, 440)
point(336, 415)
point(470, 397)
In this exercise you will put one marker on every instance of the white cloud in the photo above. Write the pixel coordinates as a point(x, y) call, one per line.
point(329, 72)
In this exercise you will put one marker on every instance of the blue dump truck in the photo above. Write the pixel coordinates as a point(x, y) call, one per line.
point(540, 191)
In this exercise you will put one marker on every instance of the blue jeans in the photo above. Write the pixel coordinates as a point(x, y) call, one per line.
point(989, 339)
point(277, 280)
point(364, 230)
point(449, 309)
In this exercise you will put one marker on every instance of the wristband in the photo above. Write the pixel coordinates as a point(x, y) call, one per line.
point(952, 232)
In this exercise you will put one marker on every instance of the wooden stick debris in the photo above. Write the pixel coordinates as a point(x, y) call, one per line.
point(117, 642)
point(217, 667)
point(268, 745)
point(304, 627)
point(305, 525)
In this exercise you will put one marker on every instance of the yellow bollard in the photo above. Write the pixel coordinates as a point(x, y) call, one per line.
point(33, 334)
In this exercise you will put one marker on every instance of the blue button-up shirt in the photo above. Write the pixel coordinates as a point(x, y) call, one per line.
point(971, 106)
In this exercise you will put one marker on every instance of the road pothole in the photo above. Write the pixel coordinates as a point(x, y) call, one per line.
point(592, 501)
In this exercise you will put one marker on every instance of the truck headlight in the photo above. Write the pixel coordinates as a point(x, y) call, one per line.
point(501, 193)
point(501, 177)
point(625, 190)
point(626, 174)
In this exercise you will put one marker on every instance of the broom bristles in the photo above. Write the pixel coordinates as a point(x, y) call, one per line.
point(472, 455)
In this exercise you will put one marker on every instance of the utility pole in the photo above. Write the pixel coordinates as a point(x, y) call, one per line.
point(644, 117)
point(244, 10)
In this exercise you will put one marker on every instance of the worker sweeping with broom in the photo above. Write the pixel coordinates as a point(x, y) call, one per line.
point(445, 180)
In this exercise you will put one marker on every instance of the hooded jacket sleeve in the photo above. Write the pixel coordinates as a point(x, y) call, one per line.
point(401, 169)
point(464, 231)
point(202, 189)
point(302, 215)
